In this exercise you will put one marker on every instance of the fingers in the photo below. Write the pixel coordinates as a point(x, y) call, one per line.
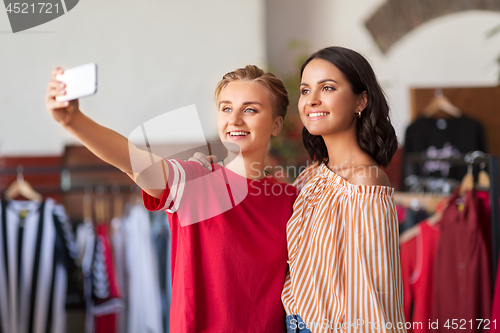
point(55, 88)
point(208, 159)
point(193, 159)
point(205, 160)
point(212, 158)
point(56, 71)
point(54, 84)
point(57, 105)
point(201, 162)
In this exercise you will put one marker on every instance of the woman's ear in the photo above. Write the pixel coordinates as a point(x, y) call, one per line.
point(362, 101)
point(278, 125)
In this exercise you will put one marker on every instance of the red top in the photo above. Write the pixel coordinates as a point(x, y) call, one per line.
point(228, 270)
point(417, 262)
point(462, 274)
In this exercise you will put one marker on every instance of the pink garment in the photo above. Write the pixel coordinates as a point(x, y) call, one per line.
point(417, 263)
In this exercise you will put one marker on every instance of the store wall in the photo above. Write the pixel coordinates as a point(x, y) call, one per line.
point(152, 57)
point(450, 51)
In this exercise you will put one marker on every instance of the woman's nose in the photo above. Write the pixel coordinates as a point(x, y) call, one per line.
point(235, 119)
point(313, 99)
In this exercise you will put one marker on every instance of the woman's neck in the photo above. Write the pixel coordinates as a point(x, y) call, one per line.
point(250, 165)
point(341, 147)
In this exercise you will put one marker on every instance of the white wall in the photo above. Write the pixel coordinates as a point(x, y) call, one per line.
point(449, 51)
point(152, 56)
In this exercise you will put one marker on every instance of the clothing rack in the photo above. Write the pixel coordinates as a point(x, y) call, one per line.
point(65, 174)
point(492, 168)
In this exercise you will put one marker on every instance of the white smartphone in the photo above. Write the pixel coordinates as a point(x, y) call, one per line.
point(80, 82)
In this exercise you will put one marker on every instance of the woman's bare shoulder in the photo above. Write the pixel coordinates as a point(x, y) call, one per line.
point(371, 175)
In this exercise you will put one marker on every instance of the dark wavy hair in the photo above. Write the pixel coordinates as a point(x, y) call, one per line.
point(374, 131)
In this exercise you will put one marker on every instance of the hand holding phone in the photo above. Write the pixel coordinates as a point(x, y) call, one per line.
point(80, 82)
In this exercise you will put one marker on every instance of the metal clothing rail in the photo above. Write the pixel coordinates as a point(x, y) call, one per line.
point(492, 167)
point(65, 173)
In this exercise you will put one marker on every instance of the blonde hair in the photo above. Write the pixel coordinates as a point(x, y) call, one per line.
point(252, 73)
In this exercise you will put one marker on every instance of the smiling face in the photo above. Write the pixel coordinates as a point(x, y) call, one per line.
point(327, 104)
point(246, 116)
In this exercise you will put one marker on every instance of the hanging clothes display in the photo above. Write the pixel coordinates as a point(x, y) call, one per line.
point(443, 138)
point(37, 254)
point(127, 272)
point(462, 272)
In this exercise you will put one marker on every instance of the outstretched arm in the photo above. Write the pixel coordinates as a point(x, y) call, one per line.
point(105, 143)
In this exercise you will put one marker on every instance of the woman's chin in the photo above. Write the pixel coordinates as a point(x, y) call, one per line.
point(232, 147)
point(316, 131)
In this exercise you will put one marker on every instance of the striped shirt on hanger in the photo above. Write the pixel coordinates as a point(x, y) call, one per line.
point(344, 269)
point(36, 256)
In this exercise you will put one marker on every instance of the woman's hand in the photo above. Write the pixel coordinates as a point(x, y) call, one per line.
point(204, 160)
point(62, 112)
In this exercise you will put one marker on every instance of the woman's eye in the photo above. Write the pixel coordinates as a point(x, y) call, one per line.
point(226, 110)
point(328, 88)
point(304, 91)
point(250, 110)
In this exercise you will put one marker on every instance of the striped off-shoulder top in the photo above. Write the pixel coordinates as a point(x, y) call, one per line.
point(343, 251)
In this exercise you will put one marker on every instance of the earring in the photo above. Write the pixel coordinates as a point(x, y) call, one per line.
point(359, 114)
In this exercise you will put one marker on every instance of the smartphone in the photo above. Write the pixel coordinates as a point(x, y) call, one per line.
point(80, 82)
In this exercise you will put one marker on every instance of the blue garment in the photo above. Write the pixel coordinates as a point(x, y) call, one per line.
point(160, 232)
point(295, 324)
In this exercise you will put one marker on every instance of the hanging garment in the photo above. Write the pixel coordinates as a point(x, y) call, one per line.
point(417, 264)
point(102, 294)
point(88, 254)
point(37, 254)
point(160, 234)
point(443, 138)
point(144, 309)
point(495, 309)
point(412, 217)
point(484, 217)
point(118, 241)
point(462, 272)
point(105, 293)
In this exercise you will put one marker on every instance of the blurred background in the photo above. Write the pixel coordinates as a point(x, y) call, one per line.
point(437, 61)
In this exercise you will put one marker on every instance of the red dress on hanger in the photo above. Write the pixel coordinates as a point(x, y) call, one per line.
point(462, 271)
point(417, 264)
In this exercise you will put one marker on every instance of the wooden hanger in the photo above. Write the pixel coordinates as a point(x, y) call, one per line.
point(483, 179)
point(441, 103)
point(87, 204)
point(428, 202)
point(117, 202)
point(21, 187)
point(467, 183)
point(101, 208)
point(135, 195)
point(431, 220)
